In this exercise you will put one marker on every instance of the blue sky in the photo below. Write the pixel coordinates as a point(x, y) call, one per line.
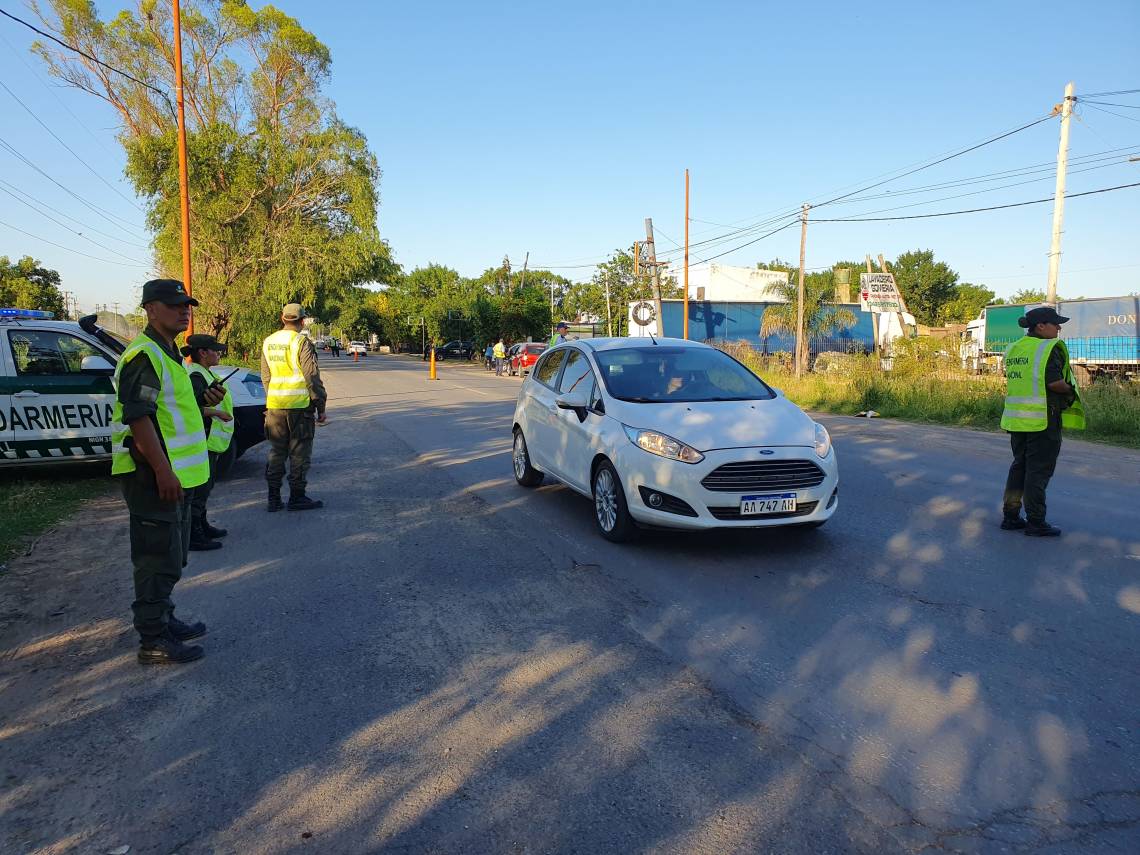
point(503, 128)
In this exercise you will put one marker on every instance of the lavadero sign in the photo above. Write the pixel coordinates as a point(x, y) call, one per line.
point(879, 293)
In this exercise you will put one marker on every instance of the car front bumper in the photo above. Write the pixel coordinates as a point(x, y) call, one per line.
point(716, 508)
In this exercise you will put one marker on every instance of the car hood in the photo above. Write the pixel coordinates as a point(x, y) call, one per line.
point(723, 424)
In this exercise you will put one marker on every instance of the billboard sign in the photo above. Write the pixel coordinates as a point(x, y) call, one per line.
point(878, 293)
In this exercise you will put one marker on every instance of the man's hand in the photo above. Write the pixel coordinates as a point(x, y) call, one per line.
point(322, 419)
point(221, 415)
point(169, 489)
point(213, 395)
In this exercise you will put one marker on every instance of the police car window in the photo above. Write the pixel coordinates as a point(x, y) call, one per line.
point(577, 376)
point(548, 369)
point(41, 353)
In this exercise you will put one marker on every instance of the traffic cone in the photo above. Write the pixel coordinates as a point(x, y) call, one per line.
point(356, 356)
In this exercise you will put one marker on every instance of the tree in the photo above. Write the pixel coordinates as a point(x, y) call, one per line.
point(820, 319)
point(616, 273)
point(968, 302)
point(283, 193)
point(26, 285)
point(926, 285)
point(1029, 295)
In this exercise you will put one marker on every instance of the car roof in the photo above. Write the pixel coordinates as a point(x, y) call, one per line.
point(603, 344)
point(33, 323)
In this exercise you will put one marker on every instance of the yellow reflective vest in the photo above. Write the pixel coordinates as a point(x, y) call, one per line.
point(221, 432)
point(178, 416)
point(1026, 402)
point(498, 351)
point(287, 387)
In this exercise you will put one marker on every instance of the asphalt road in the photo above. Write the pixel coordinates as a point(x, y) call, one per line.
point(441, 661)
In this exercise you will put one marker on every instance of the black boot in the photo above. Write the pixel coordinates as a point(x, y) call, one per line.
point(301, 502)
point(181, 631)
point(1041, 529)
point(199, 540)
point(275, 503)
point(166, 650)
point(212, 531)
point(1013, 523)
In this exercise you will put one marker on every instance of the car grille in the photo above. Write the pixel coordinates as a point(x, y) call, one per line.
point(761, 475)
point(733, 513)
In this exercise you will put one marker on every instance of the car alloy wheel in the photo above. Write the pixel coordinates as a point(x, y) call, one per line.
point(610, 510)
point(525, 474)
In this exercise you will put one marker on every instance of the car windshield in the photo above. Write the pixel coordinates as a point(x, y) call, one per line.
point(665, 374)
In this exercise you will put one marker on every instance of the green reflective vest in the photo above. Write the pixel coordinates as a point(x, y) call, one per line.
point(287, 387)
point(178, 416)
point(221, 432)
point(1026, 404)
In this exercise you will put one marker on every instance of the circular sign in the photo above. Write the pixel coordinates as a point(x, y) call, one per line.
point(643, 313)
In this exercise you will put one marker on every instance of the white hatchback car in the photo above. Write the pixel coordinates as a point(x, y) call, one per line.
point(672, 434)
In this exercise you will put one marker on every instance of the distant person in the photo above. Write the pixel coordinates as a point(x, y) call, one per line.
point(489, 355)
point(335, 345)
point(295, 401)
point(500, 353)
point(205, 352)
point(560, 330)
point(1041, 399)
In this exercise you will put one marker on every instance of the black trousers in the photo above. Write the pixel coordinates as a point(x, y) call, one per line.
point(220, 463)
point(1034, 460)
point(290, 434)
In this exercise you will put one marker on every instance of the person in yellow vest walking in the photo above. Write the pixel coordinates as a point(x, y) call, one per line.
point(295, 401)
point(1041, 399)
point(204, 352)
point(499, 353)
point(159, 456)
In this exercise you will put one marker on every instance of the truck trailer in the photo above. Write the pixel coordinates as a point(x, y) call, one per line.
point(1102, 335)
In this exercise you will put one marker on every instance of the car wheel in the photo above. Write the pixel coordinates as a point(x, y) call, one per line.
point(525, 474)
point(610, 510)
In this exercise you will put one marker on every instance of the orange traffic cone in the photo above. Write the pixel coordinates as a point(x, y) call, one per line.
point(356, 356)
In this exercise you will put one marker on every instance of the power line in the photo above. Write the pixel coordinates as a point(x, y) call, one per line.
point(69, 249)
point(1109, 94)
point(1110, 104)
point(83, 53)
point(65, 226)
point(1112, 112)
point(90, 168)
point(974, 210)
point(103, 212)
point(28, 196)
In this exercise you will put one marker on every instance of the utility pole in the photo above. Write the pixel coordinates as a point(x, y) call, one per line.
point(183, 176)
point(874, 316)
point(686, 309)
point(609, 313)
point(526, 261)
point(655, 275)
point(1059, 196)
point(801, 345)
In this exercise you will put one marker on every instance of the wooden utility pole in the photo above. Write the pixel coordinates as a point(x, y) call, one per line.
point(655, 275)
point(1059, 195)
point(183, 175)
point(686, 306)
point(526, 261)
point(874, 316)
point(801, 345)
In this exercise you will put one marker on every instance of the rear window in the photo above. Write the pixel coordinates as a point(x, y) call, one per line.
point(674, 374)
point(535, 348)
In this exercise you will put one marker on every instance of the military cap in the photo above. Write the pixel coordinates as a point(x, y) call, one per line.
point(202, 341)
point(293, 312)
point(1041, 315)
point(169, 291)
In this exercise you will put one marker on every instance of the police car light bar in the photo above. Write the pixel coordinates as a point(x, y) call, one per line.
point(36, 314)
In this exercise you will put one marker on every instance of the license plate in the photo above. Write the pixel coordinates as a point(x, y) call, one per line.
point(771, 503)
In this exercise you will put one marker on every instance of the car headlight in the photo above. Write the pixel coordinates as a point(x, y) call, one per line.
point(662, 445)
point(822, 440)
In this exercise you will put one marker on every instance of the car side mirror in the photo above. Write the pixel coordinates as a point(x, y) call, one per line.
point(96, 365)
point(575, 401)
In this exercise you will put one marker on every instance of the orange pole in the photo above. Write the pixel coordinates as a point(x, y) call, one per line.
point(183, 177)
point(686, 309)
point(431, 365)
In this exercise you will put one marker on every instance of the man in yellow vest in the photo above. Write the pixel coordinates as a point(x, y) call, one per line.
point(1041, 398)
point(159, 455)
point(295, 403)
point(499, 353)
point(204, 352)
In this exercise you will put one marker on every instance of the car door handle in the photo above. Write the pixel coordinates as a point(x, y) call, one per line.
point(26, 393)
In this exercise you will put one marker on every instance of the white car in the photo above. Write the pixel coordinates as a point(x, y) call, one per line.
point(672, 434)
point(357, 347)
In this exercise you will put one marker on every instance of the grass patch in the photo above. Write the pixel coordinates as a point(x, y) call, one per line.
point(32, 501)
point(923, 388)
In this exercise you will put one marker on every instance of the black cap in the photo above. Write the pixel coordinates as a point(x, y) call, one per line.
point(202, 341)
point(1041, 315)
point(169, 291)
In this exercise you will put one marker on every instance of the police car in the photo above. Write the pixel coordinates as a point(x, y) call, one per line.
point(57, 395)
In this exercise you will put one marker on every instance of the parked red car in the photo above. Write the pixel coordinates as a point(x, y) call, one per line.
point(524, 356)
